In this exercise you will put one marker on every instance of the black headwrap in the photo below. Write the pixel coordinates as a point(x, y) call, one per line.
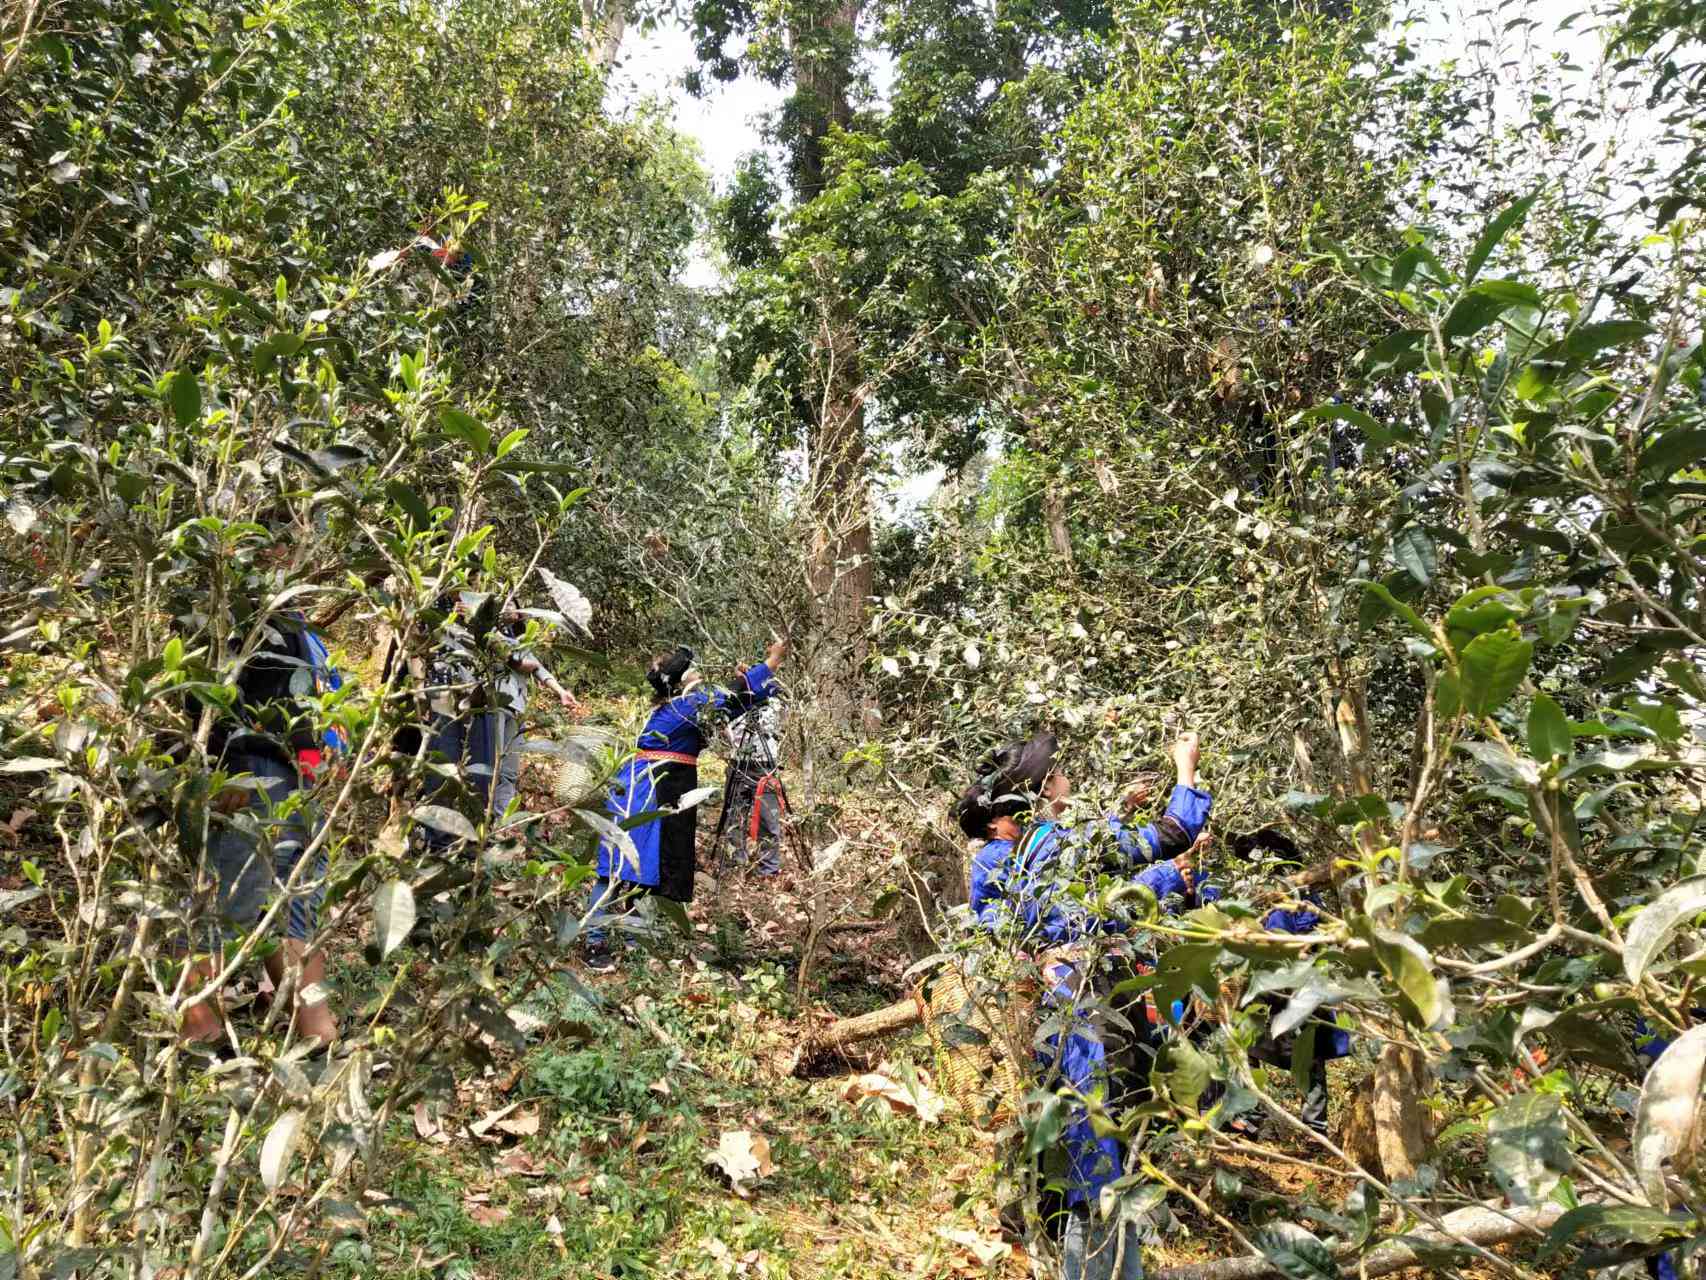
point(666, 674)
point(1007, 783)
point(1269, 838)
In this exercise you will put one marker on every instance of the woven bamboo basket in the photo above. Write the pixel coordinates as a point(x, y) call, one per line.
point(976, 1028)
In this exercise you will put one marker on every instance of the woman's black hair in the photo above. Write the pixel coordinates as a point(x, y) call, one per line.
point(1008, 782)
point(668, 671)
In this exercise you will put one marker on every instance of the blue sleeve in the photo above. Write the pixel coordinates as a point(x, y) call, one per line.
point(1207, 893)
point(1187, 814)
point(985, 887)
point(759, 685)
point(1161, 879)
point(1279, 920)
point(760, 681)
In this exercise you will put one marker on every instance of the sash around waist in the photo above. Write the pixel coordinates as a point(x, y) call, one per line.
point(666, 757)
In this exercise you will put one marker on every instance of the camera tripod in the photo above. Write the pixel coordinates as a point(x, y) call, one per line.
point(769, 772)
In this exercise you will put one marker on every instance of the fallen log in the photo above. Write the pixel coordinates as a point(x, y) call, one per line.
point(1478, 1224)
point(843, 1031)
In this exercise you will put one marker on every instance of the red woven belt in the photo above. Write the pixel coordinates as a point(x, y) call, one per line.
point(667, 757)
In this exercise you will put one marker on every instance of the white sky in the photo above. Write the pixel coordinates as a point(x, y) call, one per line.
point(726, 122)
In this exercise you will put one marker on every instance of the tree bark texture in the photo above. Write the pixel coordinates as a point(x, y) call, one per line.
point(1059, 536)
point(1400, 1073)
point(1400, 1122)
point(603, 25)
point(867, 1026)
point(823, 45)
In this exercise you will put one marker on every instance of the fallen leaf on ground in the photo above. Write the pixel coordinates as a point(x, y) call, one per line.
point(486, 1215)
point(744, 1158)
point(984, 1249)
point(518, 1163)
point(15, 824)
point(919, 1098)
point(486, 1123)
point(661, 1085)
point(523, 1124)
point(427, 1125)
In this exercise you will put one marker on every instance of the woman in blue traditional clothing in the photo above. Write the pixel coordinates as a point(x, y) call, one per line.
point(1021, 890)
point(659, 856)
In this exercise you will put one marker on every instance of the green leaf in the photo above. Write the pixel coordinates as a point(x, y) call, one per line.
point(281, 346)
point(393, 915)
point(1044, 1122)
point(1472, 931)
point(1660, 715)
point(1380, 592)
point(1586, 341)
point(1407, 963)
point(518, 466)
point(1548, 730)
point(1494, 232)
point(1181, 1074)
point(447, 820)
point(1679, 450)
point(1481, 304)
point(1660, 918)
point(676, 914)
point(511, 440)
point(1295, 1253)
point(1528, 1147)
point(1378, 433)
point(1493, 665)
point(466, 428)
point(1398, 353)
point(1303, 1057)
point(185, 395)
point(410, 502)
point(1484, 609)
point(226, 294)
point(1616, 1222)
point(1414, 550)
point(1186, 968)
point(1560, 624)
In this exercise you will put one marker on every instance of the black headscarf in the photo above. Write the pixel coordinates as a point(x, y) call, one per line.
point(1269, 838)
point(1007, 783)
point(666, 674)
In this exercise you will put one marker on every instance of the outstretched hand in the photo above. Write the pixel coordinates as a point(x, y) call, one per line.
point(1187, 861)
point(776, 652)
point(1187, 751)
point(1140, 793)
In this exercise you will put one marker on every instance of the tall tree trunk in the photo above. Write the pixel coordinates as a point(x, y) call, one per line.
point(603, 24)
point(841, 576)
point(840, 554)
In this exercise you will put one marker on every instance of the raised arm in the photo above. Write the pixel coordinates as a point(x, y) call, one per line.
point(758, 683)
point(1187, 813)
